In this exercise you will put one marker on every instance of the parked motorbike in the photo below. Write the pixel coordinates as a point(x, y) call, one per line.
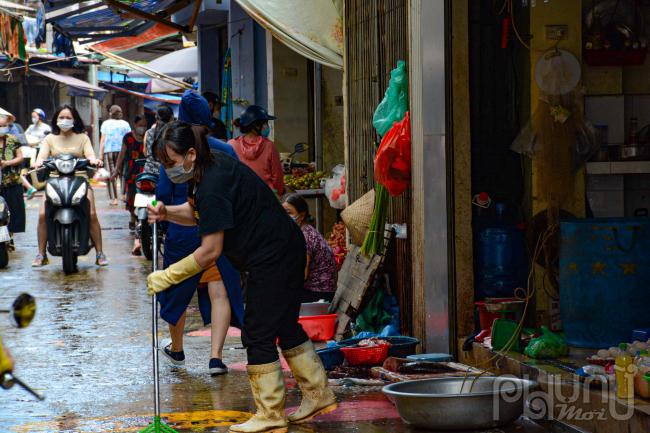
point(287, 158)
point(145, 193)
point(4, 233)
point(22, 313)
point(67, 211)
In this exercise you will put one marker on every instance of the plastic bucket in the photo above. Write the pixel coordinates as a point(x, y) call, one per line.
point(319, 328)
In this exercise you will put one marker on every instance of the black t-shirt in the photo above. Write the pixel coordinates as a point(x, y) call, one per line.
point(258, 233)
point(218, 129)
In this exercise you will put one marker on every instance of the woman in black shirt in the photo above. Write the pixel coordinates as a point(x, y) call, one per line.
point(240, 217)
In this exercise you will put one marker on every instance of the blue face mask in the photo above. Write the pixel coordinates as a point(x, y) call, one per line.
point(178, 174)
point(266, 131)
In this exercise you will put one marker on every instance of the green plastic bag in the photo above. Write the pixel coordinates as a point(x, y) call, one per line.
point(396, 100)
point(548, 346)
point(374, 318)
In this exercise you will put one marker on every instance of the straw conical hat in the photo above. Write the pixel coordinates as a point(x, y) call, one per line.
point(4, 112)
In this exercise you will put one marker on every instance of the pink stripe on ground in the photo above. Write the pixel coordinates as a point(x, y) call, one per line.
point(206, 332)
point(360, 410)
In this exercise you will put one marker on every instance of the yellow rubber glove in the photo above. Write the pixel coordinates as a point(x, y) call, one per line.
point(6, 363)
point(178, 272)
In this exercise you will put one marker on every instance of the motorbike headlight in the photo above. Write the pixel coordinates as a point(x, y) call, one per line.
point(79, 194)
point(2, 207)
point(67, 166)
point(52, 195)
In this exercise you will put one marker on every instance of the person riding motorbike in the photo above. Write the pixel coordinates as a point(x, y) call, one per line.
point(68, 137)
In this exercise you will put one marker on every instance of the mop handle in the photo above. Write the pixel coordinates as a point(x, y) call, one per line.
point(154, 321)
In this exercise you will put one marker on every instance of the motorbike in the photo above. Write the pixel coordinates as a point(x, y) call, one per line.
point(5, 238)
point(67, 210)
point(288, 164)
point(22, 313)
point(145, 193)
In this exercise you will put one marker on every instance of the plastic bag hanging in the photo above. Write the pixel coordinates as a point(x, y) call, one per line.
point(396, 100)
point(393, 160)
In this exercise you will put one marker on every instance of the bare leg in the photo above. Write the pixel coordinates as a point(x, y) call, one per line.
point(42, 229)
point(25, 183)
point(220, 317)
point(95, 228)
point(176, 333)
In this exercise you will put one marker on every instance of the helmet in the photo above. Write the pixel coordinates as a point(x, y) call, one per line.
point(252, 114)
point(40, 113)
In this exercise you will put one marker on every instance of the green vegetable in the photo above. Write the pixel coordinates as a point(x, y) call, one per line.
point(374, 241)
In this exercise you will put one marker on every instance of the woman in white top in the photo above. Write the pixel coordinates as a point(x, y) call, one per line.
point(68, 137)
point(36, 132)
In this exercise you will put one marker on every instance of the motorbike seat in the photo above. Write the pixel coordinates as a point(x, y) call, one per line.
point(147, 177)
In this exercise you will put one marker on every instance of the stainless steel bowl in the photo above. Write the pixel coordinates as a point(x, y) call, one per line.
point(441, 404)
point(314, 308)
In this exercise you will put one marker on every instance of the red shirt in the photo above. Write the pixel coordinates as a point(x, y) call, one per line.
point(262, 157)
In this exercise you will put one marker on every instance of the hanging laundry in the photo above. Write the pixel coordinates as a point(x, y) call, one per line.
point(12, 37)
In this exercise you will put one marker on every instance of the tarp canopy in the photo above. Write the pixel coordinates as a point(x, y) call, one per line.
point(157, 97)
point(118, 45)
point(312, 28)
point(76, 87)
point(179, 64)
point(96, 20)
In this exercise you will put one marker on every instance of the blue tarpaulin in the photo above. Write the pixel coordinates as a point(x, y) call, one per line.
point(97, 19)
point(76, 87)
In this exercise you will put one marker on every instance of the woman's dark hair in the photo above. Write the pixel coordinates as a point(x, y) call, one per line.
point(181, 137)
point(255, 126)
point(298, 202)
point(77, 128)
point(137, 118)
point(164, 113)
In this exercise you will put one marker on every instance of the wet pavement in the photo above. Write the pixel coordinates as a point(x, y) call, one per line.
point(89, 352)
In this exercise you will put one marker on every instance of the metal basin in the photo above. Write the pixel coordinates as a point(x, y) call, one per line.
point(440, 404)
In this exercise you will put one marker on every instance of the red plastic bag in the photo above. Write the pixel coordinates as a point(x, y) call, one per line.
point(393, 160)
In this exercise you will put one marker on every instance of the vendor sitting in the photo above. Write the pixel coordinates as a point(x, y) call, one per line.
point(320, 273)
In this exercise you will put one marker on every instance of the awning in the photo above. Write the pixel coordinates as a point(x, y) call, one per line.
point(100, 20)
point(179, 64)
point(114, 77)
point(125, 43)
point(76, 87)
point(171, 81)
point(313, 29)
point(15, 6)
point(159, 97)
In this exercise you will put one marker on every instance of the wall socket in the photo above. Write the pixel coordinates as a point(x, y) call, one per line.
point(557, 32)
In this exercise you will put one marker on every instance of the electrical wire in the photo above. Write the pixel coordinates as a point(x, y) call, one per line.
point(521, 294)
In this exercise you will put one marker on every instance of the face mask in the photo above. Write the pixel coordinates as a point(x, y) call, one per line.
point(35, 120)
point(65, 124)
point(4, 130)
point(266, 131)
point(177, 173)
point(140, 130)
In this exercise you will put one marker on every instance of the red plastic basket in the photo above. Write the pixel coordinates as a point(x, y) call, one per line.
point(375, 355)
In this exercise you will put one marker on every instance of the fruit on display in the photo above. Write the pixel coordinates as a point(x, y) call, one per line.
point(299, 180)
point(337, 243)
